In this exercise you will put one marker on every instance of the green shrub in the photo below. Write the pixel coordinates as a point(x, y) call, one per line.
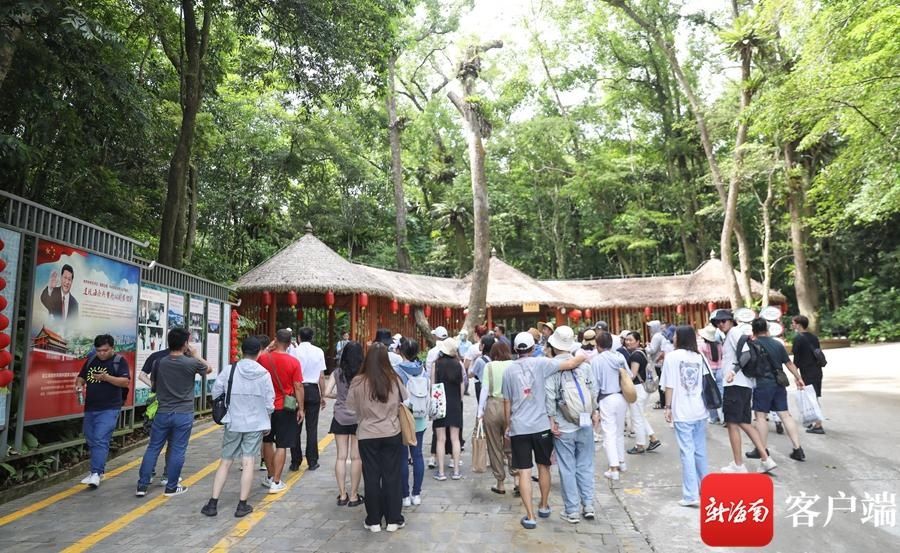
point(871, 313)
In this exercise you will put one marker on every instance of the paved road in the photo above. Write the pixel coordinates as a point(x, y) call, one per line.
point(638, 514)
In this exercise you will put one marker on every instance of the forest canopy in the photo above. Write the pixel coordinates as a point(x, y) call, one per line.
point(622, 137)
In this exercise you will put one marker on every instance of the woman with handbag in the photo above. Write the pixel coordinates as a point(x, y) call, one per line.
point(613, 405)
point(682, 380)
point(449, 372)
point(490, 413)
point(375, 397)
point(646, 385)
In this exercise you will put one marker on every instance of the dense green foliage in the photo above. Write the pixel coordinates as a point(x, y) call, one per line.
point(594, 165)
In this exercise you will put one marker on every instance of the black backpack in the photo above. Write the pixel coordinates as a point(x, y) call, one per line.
point(754, 362)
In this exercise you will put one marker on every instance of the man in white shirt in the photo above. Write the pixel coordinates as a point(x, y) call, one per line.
point(440, 334)
point(312, 365)
point(737, 396)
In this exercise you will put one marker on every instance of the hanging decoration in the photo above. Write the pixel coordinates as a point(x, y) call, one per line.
point(575, 315)
point(395, 306)
point(647, 312)
point(406, 310)
point(292, 299)
point(588, 314)
point(427, 311)
point(447, 312)
point(363, 301)
point(329, 299)
point(679, 309)
point(6, 376)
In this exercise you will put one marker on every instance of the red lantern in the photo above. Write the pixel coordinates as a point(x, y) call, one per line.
point(5, 378)
point(575, 315)
point(784, 308)
point(406, 310)
point(4, 322)
point(300, 315)
point(4, 340)
point(267, 298)
point(2, 245)
point(2, 264)
point(427, 311)
point(679, 309)
point(395, 306)
point(647, 312)
point(329, 299)
point(363, 300)
point(292, 298)
point(588, 315)
point(711, 306)
point(3, 303)
point(2, 283)
point(5, 358)
point(447, 312)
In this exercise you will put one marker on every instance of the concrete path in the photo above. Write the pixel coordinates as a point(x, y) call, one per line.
point(637, 514)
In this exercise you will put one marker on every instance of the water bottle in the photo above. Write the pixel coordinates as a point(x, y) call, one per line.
point(80, 393)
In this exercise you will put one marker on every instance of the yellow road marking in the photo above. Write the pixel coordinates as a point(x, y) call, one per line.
point(55, 498)
point(91, 540)
point(242, 528)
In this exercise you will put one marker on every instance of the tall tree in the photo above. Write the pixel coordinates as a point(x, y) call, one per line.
point(477, 129)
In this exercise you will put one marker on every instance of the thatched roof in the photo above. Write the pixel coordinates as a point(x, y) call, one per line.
point(308, 265)
point(509, 286)
point(706, 283)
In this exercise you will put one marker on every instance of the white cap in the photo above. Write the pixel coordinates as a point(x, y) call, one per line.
point(563, 338)
point(440, 333)
point(397, 337)
point(448, 347)
point(524, 341)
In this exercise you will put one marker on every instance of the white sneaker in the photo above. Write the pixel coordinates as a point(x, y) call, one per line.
point(597, 437)
point(407, 502)
point(266, 482)
point(94, 480)
point(612, 474)
point(768, 465)
point(450, 464)
point(374, 528)
point(623, 467)
point(87, 479)
point(277, 487)
point(432, 463)
point(395, 527)
point(685, 503)
point(177, 491)
point(732, 468)
point(417, 500)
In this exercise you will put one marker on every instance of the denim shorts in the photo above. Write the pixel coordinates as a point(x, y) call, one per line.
point(770, 398)
point(241, 444)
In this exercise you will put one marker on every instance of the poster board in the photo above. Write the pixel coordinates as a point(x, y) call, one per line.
point(153, 322)
point(213, 341)
point(76, 296)
point(197, 329)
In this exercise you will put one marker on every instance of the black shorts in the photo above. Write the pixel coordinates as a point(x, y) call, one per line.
point(816, 384)
point(285, 429)
point(342, 429)
point(736, 404)
point(523, 446)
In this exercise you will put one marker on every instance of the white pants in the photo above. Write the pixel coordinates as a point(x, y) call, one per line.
point(639, 422)
point(612, 420)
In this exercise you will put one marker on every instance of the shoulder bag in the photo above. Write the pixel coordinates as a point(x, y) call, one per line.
point(712, 399)
point(220, 404)
point(290, 401)
point(650, 384)
point(407, 421)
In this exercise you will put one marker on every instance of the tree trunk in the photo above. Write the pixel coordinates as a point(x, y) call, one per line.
point(696, 107)
point(192, 208)
point(807, 301)
point(477, 128)
point(766, 205)
point(189, 65)
point(403, 261)
point(8, 48)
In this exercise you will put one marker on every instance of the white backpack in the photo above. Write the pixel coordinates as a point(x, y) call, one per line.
point(419, 395)
point(575, 395)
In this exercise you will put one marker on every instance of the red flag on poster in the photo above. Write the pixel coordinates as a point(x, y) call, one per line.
point(49, 252)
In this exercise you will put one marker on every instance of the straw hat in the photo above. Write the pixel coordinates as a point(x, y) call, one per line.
point(708, 333)
point(548, 324)
point(562, 339)
point(589, 338)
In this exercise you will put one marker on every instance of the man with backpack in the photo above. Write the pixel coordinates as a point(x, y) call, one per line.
point(573, 412)
point(738, 387)
point(771, 387)
point(250, 400)
point(809, 359)
point(102, 385)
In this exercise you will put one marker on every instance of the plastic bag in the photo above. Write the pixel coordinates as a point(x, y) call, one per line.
point(808, 406)
point(479, 448)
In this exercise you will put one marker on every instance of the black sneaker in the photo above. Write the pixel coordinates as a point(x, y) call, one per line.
point(210, 509)
point(798, 454)
point(313, 466)
point(779, 428)
point(141, 491)
point(754, 453)
point(243, 509)
point(294, 467)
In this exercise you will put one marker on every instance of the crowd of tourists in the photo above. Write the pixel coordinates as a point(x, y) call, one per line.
point(543, 398)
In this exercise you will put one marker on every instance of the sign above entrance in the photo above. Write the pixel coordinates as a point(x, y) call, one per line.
point(531, 307)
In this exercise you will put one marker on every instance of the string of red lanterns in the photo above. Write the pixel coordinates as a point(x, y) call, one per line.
point(6, 375)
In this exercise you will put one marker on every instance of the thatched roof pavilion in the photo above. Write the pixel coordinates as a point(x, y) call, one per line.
point(307, 274)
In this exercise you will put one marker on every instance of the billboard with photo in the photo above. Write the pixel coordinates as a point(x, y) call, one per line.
point(76, 296)
point(213, 341)
point(197, 328)
point(153, 323)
